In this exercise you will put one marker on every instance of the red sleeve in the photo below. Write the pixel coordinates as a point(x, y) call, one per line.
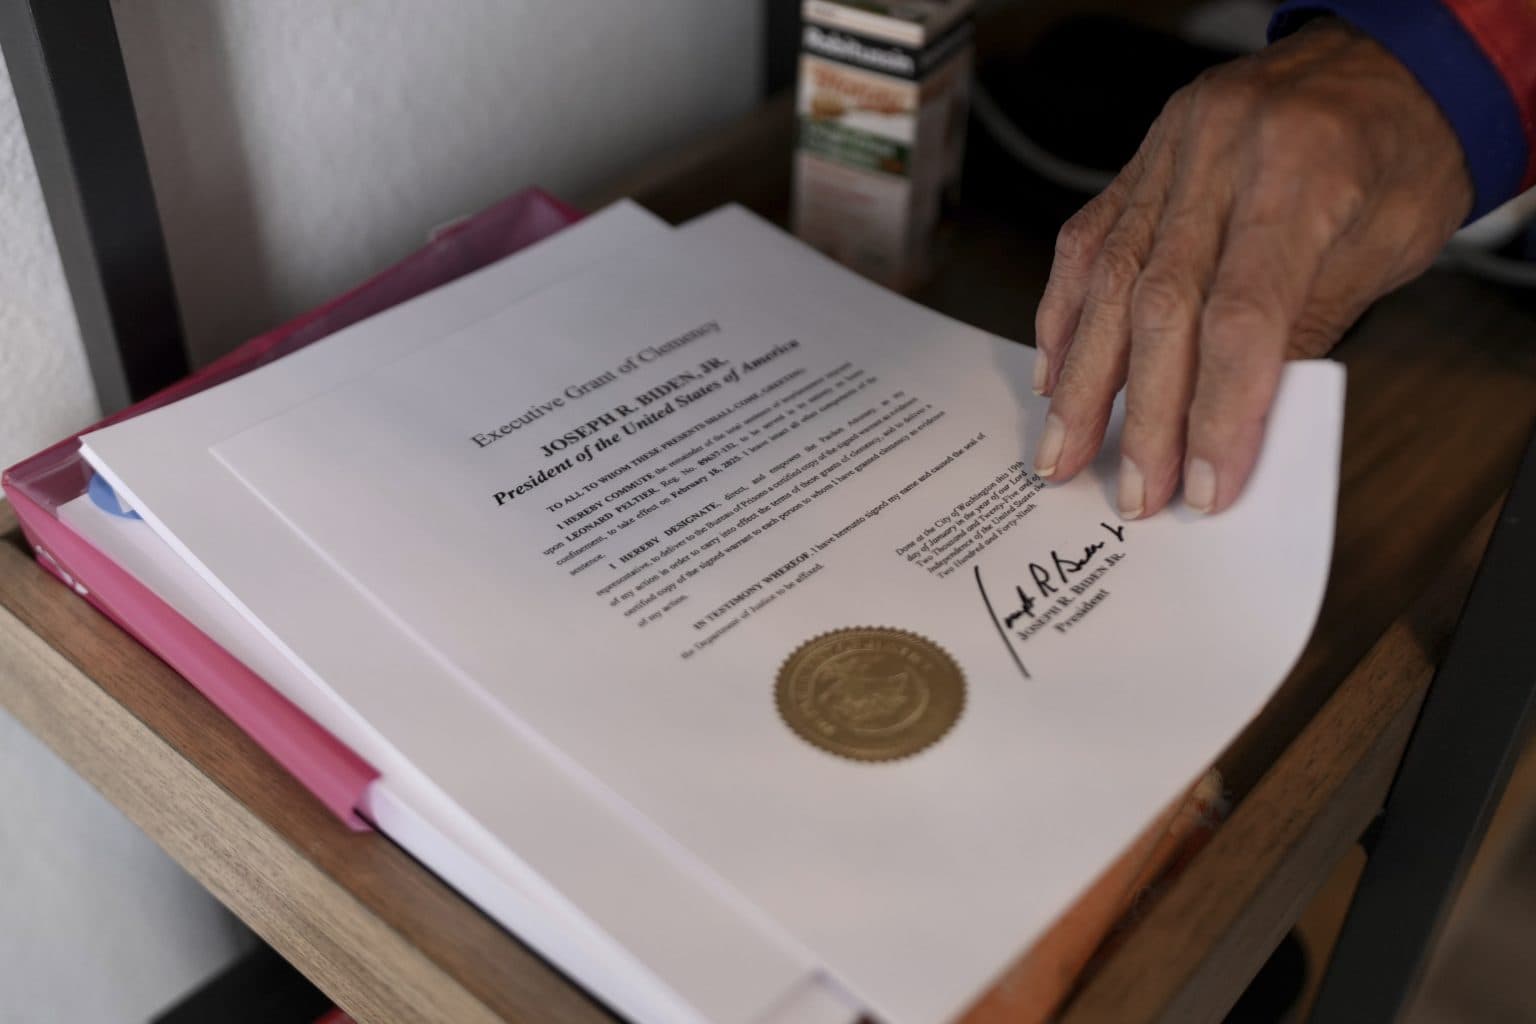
point(1506, 32)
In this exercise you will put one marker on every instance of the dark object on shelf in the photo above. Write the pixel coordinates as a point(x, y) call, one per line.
point(1276, 990)
point(1073, 107)
point(259, 988)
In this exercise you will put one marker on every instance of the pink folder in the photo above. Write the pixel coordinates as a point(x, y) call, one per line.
point(37, 486)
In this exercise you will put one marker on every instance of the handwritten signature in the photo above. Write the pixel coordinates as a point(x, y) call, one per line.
point(1048, 581)
point(1045, 581)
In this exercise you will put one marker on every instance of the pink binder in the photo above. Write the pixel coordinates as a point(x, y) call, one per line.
point(37, 486)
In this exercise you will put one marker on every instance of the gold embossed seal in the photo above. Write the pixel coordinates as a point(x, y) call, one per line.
point(870, 693)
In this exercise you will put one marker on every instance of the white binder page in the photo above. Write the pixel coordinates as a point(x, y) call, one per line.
point(504, 803)
point(756, 546)
point(401, 802)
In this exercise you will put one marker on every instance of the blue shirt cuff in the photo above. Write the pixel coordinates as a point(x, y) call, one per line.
point(1448, 62)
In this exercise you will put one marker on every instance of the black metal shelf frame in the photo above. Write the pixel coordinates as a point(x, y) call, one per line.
point(67, 70)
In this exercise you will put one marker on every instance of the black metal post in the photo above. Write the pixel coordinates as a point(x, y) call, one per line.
point(1470, 732)
point(67, 70)
point(781, 44)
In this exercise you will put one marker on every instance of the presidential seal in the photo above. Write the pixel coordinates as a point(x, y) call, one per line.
point(870, 694)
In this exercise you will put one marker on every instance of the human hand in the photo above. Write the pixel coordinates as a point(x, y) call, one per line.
point(1273, 200)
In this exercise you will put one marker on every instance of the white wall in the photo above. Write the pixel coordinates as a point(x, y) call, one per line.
point(296, 146)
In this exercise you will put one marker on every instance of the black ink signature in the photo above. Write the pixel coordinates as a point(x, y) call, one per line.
point(1001, 632)
point(1026, 607)
point(1046, 582)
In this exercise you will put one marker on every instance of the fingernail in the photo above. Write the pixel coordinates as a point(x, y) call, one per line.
point(1132, 497)
point(1200, 485)
point(1042, 367)
point(1051, 442)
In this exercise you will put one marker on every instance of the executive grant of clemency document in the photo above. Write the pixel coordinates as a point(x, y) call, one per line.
point(755, 548)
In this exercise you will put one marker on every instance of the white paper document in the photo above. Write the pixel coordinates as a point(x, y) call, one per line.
point(749, 553)
point(526, 832)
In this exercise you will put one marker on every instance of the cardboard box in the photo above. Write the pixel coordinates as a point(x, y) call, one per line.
point(883, 96)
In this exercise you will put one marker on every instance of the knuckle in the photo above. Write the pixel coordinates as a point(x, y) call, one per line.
point(1219, 413)
point(1223, 98)
point(1115, 272)
point(1082, 383)
point(1049, 326)
point(1086, 415)
point(1179, 103)
point(1292, 123)
point(1153, 436)
point(1160, 302)
point(1305, 138)
point(1184, 228)
point(1230, 382)
point(1326, 126)
point(1224, 372)
point(1342, 198)
point(1148, 423)
point(1204, 427)
point(1077, 238)
point(1233, 320)
point(1235, 389)
point(1071, 390)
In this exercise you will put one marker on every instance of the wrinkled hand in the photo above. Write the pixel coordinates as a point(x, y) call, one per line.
point(1272, 201)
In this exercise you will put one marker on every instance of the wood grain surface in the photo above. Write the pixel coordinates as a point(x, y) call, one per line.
point(1442, 394)
point(373, 929)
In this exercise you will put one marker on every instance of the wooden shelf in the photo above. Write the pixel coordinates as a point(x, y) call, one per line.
point(1442, 395)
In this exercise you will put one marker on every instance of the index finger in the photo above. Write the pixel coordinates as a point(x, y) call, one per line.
point(1078, 244)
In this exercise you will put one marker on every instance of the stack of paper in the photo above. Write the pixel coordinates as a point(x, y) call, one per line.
point(697, 605)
